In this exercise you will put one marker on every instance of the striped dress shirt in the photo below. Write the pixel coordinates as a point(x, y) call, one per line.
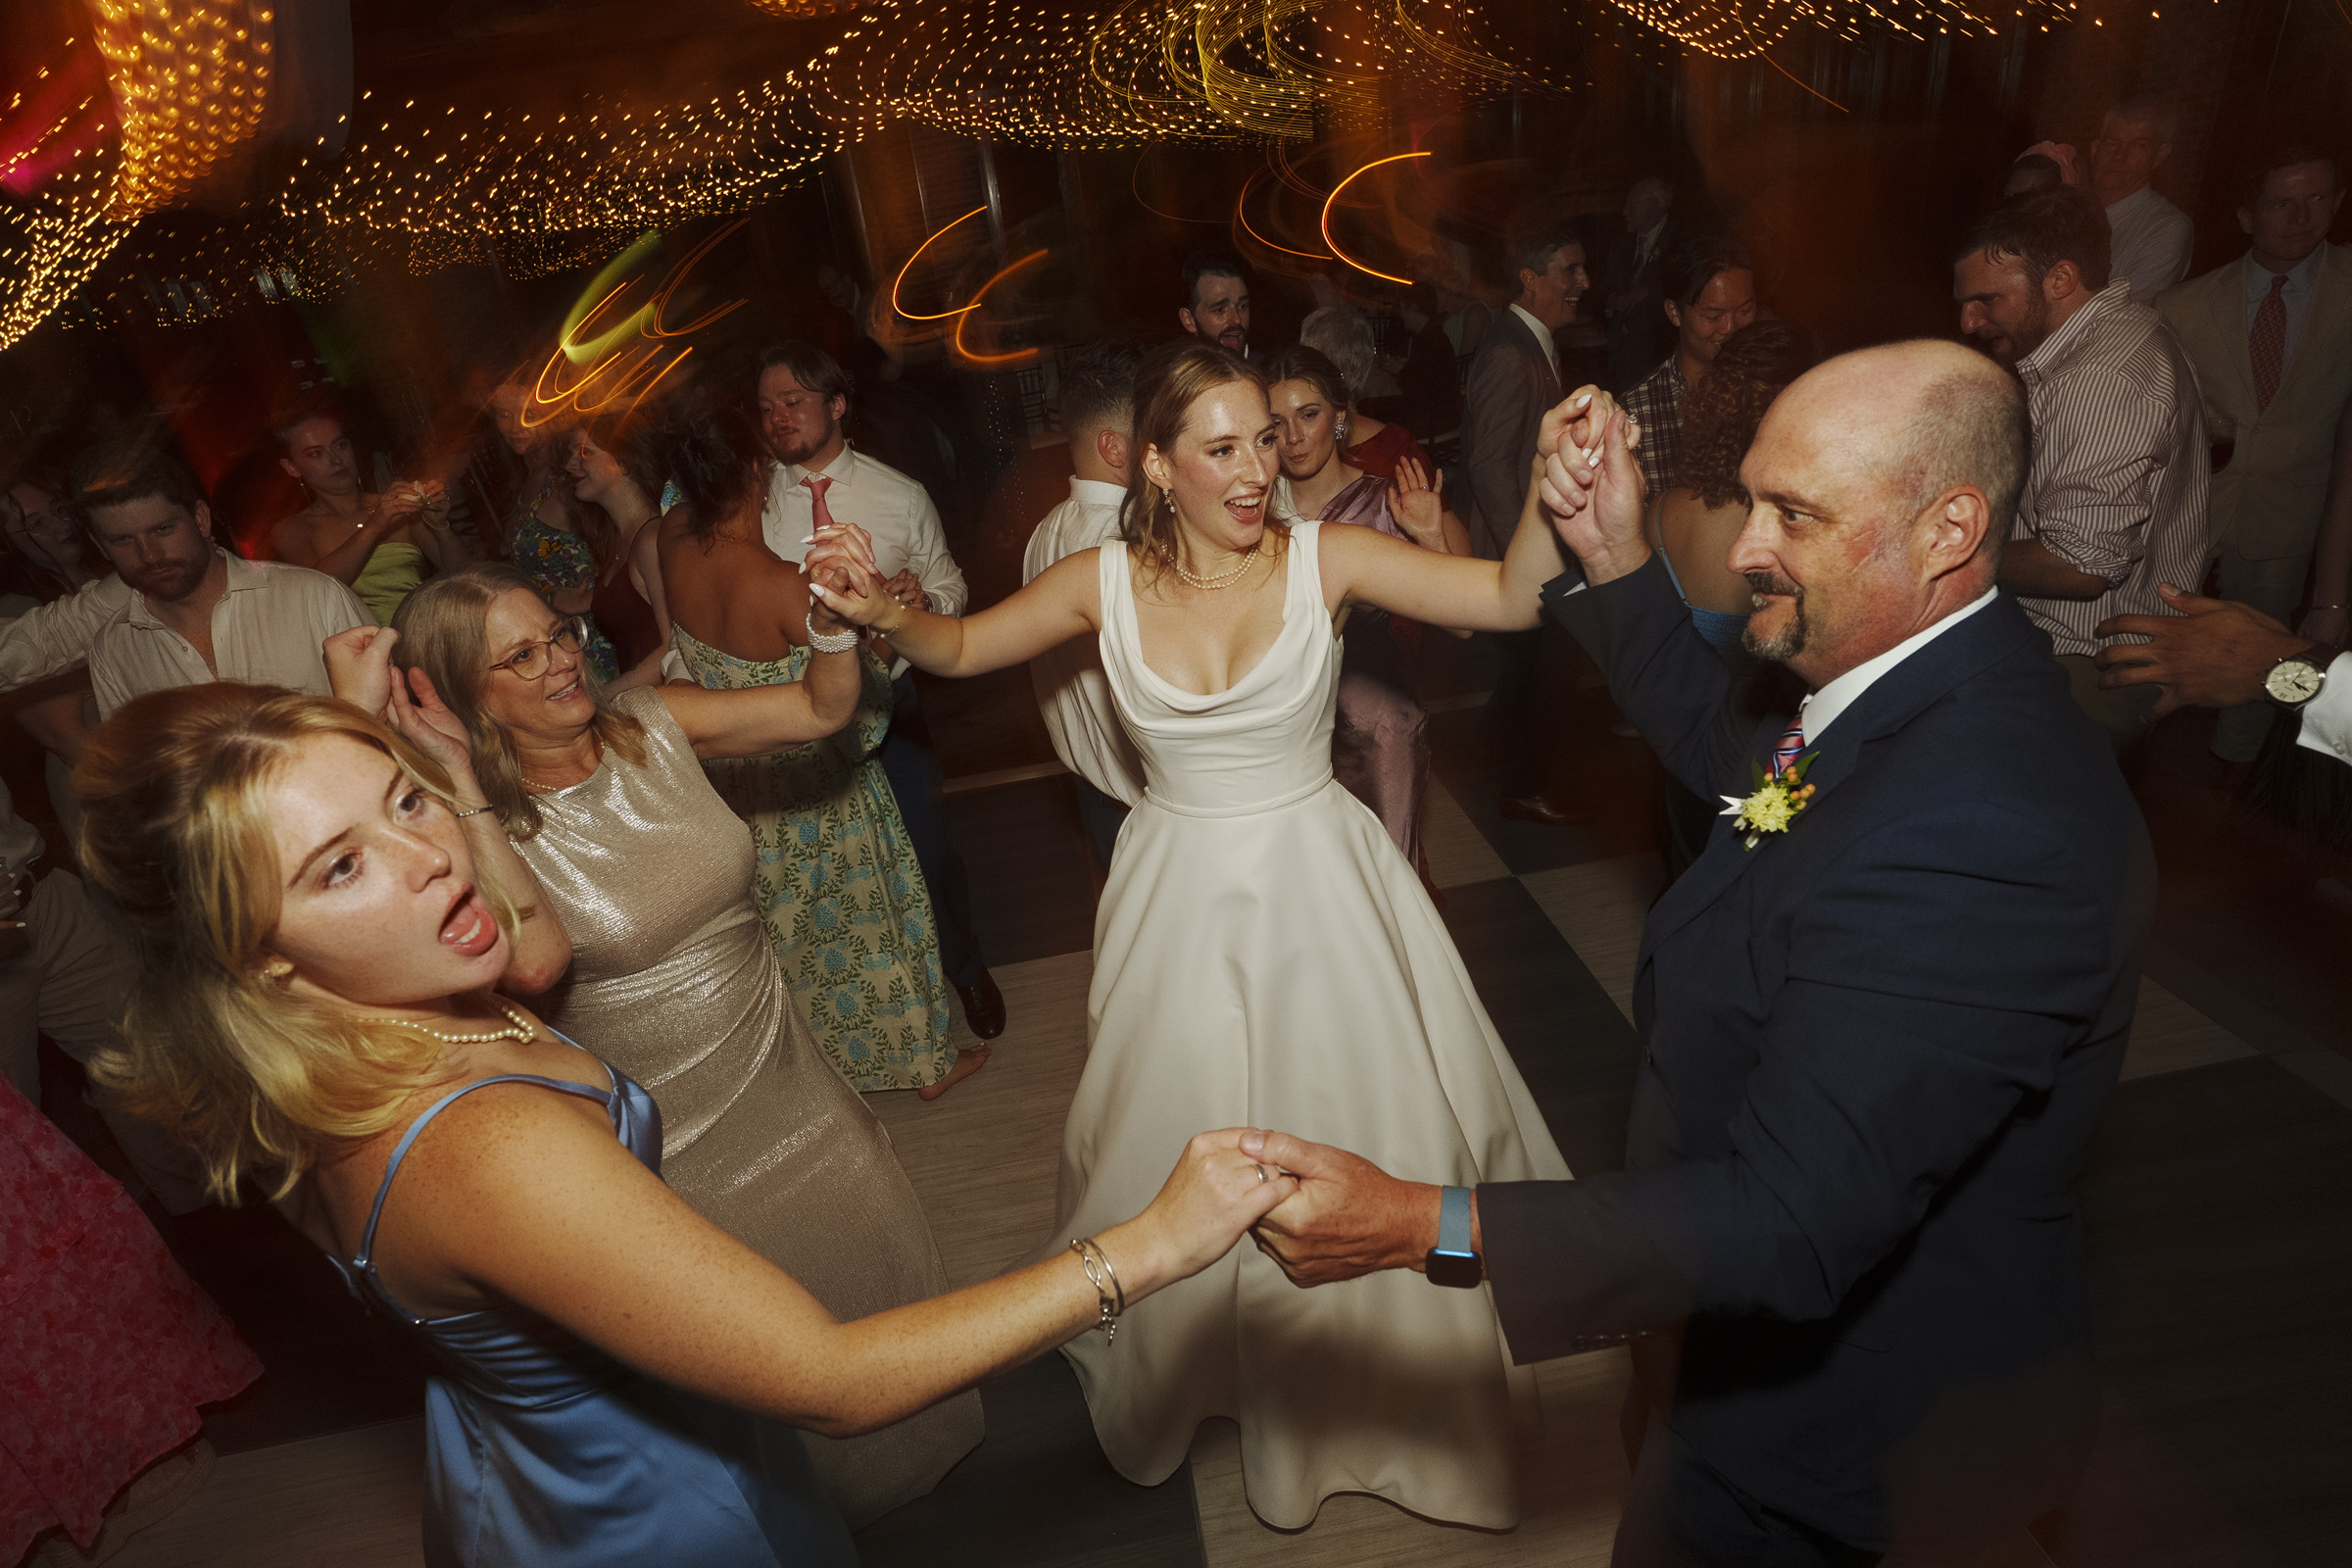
point(2117, 486)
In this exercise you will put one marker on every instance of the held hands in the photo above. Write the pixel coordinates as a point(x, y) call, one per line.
point(1212, 1196)
point(1591, 485)
point(2213, 654)
point(843, 579)
point(1349, 1216)
point(1418, 506)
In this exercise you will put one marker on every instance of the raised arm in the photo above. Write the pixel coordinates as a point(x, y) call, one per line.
point(666, 1290)
point(755, 721)
point(53, 638)
point(1367, 566)
point(1066, 601)
point(347, 557)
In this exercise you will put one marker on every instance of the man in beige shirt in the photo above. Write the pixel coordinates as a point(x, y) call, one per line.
point(180, 611)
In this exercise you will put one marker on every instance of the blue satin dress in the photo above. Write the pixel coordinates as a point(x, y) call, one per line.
point(542, 1450)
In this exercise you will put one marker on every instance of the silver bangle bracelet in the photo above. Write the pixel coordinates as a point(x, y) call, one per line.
point(1110, 1298)
point(833, 642)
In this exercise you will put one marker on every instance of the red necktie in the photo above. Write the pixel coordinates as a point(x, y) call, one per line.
point(819, 484)
point(1785, 754)
point(2265, 342)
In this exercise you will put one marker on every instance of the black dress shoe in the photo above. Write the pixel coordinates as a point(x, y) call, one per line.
point(1538, 808)
point(983, 1005)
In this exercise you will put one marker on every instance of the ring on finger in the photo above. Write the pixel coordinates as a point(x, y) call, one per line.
point(1261, 1172)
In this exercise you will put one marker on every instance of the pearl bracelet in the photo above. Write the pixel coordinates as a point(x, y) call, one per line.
point(833, 642)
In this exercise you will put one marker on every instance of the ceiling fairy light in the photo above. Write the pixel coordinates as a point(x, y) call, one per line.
point(190, 80)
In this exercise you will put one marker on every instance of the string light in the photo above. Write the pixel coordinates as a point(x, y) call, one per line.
point(190, 80)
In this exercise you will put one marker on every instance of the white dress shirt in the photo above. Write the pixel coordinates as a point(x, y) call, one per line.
point(1073, 695)
point(2151, 241)
point(1819, 710)
point(894, 508)
point(1543, 334)
point(2327, 717)
point(266, 630)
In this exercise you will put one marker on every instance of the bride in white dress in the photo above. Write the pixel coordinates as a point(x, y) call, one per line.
point(1265, 957)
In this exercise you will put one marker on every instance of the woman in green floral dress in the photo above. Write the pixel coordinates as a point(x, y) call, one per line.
point(837, 882)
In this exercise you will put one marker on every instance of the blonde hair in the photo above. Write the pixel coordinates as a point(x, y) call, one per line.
point(442, 631)
point(250, 1075)
point(1167, 384)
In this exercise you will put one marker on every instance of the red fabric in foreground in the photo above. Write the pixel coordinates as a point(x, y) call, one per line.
point(106, 1346)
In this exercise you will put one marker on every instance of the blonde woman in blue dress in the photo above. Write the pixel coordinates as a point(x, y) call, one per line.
point(1263, 954)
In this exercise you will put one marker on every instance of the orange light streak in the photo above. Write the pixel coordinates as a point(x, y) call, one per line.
point(994, 362)
point(1784, 71)
point(1332, 200)
point(1240, 215)
point(911, 259)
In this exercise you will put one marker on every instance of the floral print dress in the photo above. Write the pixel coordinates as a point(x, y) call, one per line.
point(837, 883)
point(557, 561)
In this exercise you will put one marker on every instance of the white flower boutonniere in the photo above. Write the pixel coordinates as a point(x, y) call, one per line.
point(1775, 805)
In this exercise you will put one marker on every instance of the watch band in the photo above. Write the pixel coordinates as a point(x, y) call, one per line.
point(1454, 1220)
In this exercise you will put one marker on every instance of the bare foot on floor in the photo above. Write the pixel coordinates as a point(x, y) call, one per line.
point(967, 1062)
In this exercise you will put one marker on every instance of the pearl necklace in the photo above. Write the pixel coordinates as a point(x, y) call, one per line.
point(1225, 579)
point(518, 1029)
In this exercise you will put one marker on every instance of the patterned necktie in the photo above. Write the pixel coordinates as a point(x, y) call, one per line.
point(1785, 754)
point(819, 484)
point(2265, 341)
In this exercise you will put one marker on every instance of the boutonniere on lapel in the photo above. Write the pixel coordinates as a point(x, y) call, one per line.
point(1779, 799)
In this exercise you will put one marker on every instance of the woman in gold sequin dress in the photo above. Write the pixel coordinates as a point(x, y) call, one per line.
point(672, 978)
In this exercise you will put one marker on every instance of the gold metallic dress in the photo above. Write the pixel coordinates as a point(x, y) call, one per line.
point(673, 982)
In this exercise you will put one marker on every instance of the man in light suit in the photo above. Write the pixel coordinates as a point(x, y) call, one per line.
point(1880, 1018)
point(1515, 377)
point(2270, 335)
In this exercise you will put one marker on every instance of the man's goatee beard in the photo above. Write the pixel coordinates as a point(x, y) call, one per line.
point(1789, 641)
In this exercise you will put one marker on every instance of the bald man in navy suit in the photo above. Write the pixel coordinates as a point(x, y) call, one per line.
point(1879, 1016)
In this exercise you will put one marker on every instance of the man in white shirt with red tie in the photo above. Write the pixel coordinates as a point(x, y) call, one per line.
point(804, 398)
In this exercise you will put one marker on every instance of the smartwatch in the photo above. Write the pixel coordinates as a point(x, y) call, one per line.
point(1451, 1263)
point(2298, 677)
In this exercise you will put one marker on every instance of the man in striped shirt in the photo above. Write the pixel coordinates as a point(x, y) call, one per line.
point(2115, 501)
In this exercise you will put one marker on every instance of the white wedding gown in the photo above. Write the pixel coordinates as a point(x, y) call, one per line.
point(1263, 956)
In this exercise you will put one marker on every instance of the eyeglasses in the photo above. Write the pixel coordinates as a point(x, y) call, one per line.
point(529, 661)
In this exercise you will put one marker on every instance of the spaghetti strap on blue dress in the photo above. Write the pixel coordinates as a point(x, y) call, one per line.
point(1721, 627)
point(542, 1450)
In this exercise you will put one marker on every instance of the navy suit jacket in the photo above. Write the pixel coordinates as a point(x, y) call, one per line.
point(1874, 1051)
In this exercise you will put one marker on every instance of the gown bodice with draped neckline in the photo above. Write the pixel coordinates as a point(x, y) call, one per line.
point(1262, 743)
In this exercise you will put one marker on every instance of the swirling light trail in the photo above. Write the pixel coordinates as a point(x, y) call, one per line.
point(994, 362)
point(605, 352)
point(1333, 198)
point(1240, 215)
point(911, 259)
